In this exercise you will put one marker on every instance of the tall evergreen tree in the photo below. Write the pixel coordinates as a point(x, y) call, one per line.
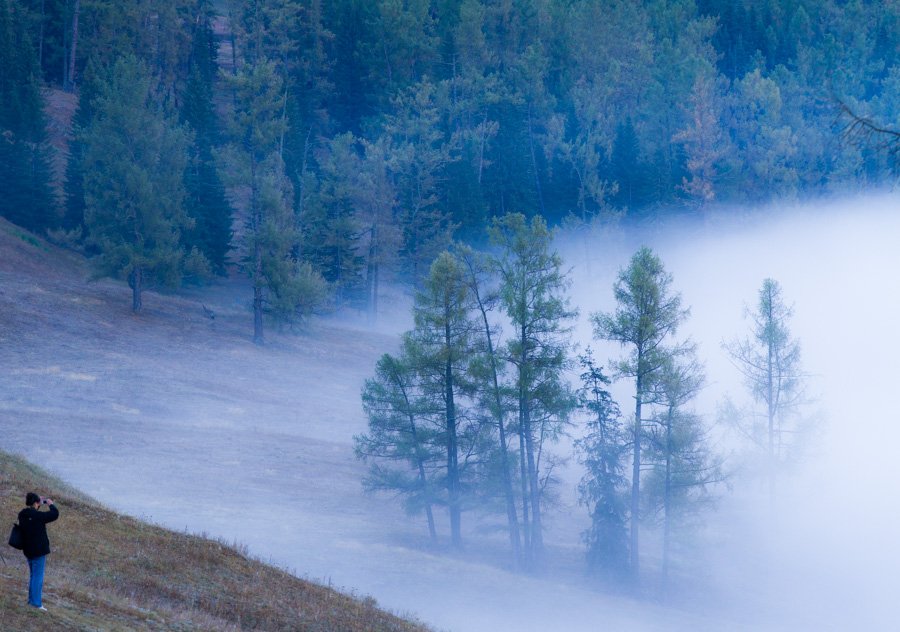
point(684, 469)
point(603, 487)
point(263, 192)
point(331, 226)
point(441, 349)
point(206, 201)
point(400, 445)
point(134, 160)
point(532, 292)
point(488, 376)
point(769, 360)
point(73, 215)
point(26, 196)
point(647, 314)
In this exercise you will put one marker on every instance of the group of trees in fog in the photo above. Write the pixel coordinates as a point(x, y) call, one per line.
point(330, 147)
point(465, 416)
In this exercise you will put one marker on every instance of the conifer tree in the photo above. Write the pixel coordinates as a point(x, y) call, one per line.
point(399, 446)
point(134, 160)
point(73, 215)
point(263, 192)
point(440, 346)
point(206, 202)
point(488, 373)
point(603, 487)
point(647, 314)
point(532, 292)
point(331, 226)
point(26, 196)
point(678, 487)
point(769, 359)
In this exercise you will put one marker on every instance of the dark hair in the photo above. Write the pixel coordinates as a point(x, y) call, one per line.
point(31, 498)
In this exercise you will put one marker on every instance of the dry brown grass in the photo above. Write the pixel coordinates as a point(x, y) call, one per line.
point(113, 572)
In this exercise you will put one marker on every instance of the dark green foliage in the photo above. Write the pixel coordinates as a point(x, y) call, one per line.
point(627, 168)
point(134, 160)
point(603, 488)
point(73, 217)
point(205, 200)
point(532, 293)
point(331, 228)
point(646, 317)
point(26, 196)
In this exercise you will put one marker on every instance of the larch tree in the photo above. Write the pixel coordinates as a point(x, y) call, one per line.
point(769, 360)
point(647, 314)
point(134, 157)
point(488, 370)
point(678, 487)
point(399, 446)
point(533, 290)
point(441, 349)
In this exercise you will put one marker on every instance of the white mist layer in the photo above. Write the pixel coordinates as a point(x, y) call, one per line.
point(830, 558)
point(256, 446)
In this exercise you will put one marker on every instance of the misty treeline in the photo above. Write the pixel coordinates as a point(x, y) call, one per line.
point(330, 147)
point(467, 415)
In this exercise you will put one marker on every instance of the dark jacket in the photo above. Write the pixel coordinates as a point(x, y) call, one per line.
point(34, 530)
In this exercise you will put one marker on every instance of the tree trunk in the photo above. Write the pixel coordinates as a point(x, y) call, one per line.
point(481, 150)
point(771, 408)
point(136, 289)
point(256, 227)
point(511, 515)
point(534, 552)
point(636, 484)
point(537, 537)
point(65, 50)
point(666, 505)
point(452, 450)
point(432, 531)
point(537, 175)
point(257, 297)
point(526, 521)
point(41, 38)
point(71, 74)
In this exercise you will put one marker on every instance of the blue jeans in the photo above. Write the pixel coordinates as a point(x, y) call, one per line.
point(36, 581)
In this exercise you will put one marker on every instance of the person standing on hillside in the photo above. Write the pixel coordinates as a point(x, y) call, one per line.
point(35, 543)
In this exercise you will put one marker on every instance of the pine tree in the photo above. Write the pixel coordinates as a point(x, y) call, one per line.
point(331, 227)
point(440, 346)
point(488, 371)
point(264, 196)
point(73, 216)
point(134, 161)
point(206, 202)
point(684, 469)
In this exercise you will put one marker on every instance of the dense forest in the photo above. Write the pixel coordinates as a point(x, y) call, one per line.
point(329, 146)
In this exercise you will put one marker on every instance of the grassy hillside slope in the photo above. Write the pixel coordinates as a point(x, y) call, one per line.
point(113, 572)
point(109, 571)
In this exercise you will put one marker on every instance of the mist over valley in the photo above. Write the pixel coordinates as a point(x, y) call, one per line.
point(179, 418)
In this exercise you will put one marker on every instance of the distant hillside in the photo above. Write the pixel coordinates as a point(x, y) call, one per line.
point(113, 572)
